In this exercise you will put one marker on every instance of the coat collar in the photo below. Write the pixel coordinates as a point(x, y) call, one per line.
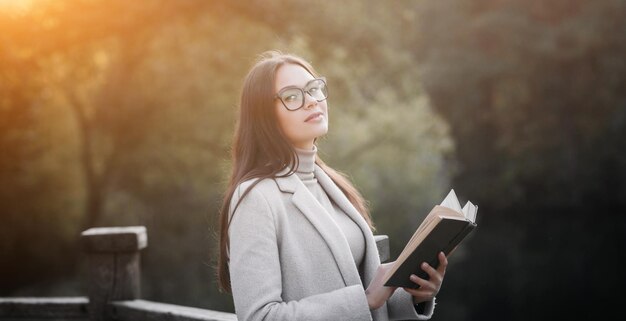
point(326, 226)
point(371, 261)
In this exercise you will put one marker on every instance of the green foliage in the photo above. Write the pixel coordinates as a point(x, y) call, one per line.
point(122, 113)
point(135, 104)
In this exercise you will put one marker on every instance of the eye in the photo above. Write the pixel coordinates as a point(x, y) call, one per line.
point(315, 86)
point(290, 98)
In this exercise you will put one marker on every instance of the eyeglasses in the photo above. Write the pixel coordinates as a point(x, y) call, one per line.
point(293, 98)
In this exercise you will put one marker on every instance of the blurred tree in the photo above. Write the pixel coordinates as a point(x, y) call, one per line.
point(33, 195)
point(53, 63)
point(138, 102)
point(383, 133)
point(534, 93)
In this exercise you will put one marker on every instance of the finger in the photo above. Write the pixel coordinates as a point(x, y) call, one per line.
point(432, 273)
point(443, 264)
point(420, 295)
point(423, 284)
point(417, 292)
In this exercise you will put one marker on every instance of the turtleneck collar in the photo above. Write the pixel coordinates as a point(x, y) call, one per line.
point(306, 164)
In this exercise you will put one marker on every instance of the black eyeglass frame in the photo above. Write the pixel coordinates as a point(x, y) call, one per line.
point(304, 92)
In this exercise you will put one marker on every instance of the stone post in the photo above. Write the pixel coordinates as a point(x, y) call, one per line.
point(113, 274)
point(382, 242)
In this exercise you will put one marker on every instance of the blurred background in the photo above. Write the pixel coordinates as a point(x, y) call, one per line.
point(117, 113)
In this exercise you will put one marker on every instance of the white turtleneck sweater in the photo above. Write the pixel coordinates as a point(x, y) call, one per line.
point(351, 231)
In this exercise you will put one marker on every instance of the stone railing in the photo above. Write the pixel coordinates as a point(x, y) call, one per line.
point(113, 278)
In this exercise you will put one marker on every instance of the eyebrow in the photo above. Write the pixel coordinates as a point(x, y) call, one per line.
point(294, 86)
point(288, 87)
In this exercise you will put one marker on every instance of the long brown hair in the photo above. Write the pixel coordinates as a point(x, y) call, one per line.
point(261, 150)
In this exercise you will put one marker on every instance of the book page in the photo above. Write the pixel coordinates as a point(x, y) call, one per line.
point(469, 210)
point(452, 202)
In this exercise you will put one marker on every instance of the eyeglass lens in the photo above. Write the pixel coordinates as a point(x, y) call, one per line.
point(293, 98)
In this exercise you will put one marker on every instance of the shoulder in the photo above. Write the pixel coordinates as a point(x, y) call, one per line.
point(254, 199)
point(256, 186)
point(255, 190)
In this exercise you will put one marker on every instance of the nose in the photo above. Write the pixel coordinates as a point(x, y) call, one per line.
point(309, 101)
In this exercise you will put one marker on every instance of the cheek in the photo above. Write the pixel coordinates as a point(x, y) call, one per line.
point(325, 110)
point(284, 120)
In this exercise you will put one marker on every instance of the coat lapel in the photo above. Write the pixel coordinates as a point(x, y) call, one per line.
point(324, 224)
point(372, 259)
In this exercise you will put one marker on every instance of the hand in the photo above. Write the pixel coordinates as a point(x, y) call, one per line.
point(377, 293)
point(429, 288)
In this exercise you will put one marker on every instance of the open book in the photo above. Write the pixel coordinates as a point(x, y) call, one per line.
point(442, 230)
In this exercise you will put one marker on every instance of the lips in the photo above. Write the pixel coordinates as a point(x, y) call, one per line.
point(313, 115)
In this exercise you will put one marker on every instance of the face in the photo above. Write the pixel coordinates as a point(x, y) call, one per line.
point(304, 125)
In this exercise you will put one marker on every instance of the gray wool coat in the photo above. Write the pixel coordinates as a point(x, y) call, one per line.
point(290, 261)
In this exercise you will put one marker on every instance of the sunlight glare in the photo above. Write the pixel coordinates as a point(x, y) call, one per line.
point(15, 5)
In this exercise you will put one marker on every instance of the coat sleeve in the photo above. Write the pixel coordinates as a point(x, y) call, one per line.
point(400, 307)
point(255, 273)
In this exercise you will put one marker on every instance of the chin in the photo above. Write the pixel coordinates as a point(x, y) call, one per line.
point(323, 131)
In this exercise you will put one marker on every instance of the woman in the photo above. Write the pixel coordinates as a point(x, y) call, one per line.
point(296, 237)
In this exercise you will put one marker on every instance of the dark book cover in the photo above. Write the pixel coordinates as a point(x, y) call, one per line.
point(445, 236)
